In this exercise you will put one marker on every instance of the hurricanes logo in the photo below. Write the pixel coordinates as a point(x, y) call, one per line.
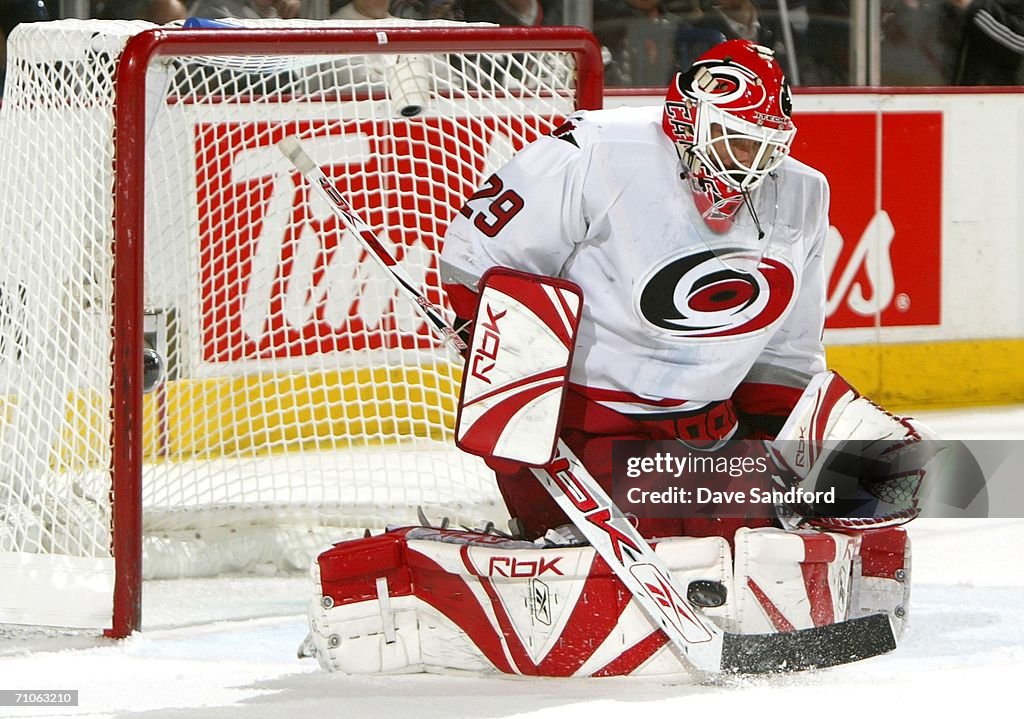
point(724, 84)
point(703, 295)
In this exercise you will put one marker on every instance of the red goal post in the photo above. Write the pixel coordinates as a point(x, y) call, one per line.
point(298, 393)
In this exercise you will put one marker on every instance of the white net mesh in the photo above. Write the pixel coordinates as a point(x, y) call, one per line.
point(302, 395)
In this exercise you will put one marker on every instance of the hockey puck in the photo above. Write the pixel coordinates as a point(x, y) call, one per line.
point(705, 594)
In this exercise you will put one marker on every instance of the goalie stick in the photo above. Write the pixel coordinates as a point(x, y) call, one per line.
point(697, 640)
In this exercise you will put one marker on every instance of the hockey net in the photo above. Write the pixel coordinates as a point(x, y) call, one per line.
point(145, 203)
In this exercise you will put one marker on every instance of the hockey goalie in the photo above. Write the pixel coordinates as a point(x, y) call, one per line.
point(643, 277)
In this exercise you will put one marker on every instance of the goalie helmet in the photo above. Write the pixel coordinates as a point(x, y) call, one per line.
point(729, 117)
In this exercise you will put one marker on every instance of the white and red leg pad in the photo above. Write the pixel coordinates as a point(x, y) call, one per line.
point(425, 599)
point(881, 576)
point(514, 381)
point(787, 580)
point(790, 580)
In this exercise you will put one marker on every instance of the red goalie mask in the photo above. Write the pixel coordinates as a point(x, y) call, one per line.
point(729, 117)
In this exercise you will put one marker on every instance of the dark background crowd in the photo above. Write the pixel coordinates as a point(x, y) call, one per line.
point(919, 42)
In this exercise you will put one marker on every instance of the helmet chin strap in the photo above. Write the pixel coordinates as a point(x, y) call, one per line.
point(753, 213)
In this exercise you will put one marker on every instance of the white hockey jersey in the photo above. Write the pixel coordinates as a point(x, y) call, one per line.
point(672, 310)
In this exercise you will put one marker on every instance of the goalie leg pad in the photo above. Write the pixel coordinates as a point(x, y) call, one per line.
point(426, 599)
point(787, 580)
point(881, 577)
point(363, 617)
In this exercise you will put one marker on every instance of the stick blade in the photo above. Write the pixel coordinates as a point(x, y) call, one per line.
point(814, 648)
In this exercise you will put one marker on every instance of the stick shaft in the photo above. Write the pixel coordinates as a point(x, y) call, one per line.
point(291, 149)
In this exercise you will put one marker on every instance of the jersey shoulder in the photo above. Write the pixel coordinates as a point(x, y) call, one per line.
point(622, 125)
point(803, 173)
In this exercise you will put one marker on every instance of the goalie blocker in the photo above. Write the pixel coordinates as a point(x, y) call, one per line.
point(517, 367)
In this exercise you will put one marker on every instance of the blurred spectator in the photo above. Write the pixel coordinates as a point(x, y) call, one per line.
point(825, 57)
point(795, 10)
point(508, 70)
point(640, 37)
point(692, 42)
point(992, 42)
point(12, 13)
point(913, 49)
point(504, 12)
point(689, 10)
point(363, 10)
point(250, 9)
point(737, 20)
point(160, 12)
point(784, 39)
point(428, 9)
point(554, 11)
point(350, 70)
point(218, 80)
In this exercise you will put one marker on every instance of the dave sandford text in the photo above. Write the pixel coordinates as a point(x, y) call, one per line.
point(710, 479)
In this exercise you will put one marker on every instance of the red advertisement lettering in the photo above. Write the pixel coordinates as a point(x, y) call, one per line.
point(883, 250)
point(280, 276)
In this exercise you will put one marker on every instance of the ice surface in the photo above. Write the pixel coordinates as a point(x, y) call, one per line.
point(225, 648)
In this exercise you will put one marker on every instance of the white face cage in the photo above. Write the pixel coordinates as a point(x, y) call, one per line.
point(738, 153)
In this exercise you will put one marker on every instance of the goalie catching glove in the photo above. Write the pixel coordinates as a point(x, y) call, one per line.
point(867, 462)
